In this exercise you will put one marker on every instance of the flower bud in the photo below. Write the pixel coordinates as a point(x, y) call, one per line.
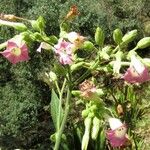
point(143, 43)
point(76, 92)
point(102, 139)
point(93, 108)
point(87, 45)
point(85, 113)
point(20, 27)
point(129, 37)
point(16, 25)
point(117, 36)
point(52, 76)
point(99, 37)
point(91, 114)
point(85, 139)
point(95, 128)
point(120, 110)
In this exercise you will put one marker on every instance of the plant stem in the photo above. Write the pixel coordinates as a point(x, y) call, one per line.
point(57, 87)
point(60, 104)
point(87, 73)
point(66, 112)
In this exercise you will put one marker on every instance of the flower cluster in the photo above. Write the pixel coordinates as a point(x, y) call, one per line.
point(64, 49)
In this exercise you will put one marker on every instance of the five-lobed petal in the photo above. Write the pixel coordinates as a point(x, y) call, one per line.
point(16, 52)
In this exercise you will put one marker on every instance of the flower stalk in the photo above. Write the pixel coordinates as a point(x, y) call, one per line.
point(66, 111)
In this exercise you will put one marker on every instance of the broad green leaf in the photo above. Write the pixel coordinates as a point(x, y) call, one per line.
point(55, 102)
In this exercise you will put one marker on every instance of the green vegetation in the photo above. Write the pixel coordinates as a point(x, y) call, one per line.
point(24, 117)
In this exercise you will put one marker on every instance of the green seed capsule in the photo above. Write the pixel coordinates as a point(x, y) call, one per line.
point(129, 37)
point(93, 108)
point(143, 43)
point(95, 128)
point(86, 136)
point(117, 36)
point(99, 36)
point(87, 45)
point(20, 27)
point(91, 114)
point(85, 113)
point(76, 92)
point(52, 76)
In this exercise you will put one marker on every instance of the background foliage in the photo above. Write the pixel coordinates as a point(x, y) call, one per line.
point(23, 96)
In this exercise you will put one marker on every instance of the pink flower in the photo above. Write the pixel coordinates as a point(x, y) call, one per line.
point(117, 135)
point(76, 39)
point(137, 72)
point(64, 50)
point(16, 51)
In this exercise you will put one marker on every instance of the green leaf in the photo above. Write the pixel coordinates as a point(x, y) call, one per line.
point(38, 24)
point(55, 102)
point(102, 139)
point(60, 69)
point(41, 22)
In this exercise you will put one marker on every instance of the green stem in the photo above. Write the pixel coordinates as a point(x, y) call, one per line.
point(87, 73)
point(60, 104)
point(57, 87)
point(116, 49)
point(66, 112)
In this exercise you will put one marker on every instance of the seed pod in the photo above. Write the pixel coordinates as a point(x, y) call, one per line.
point(99, 37)
point(120, 110)
point(85, 113)
point(95, 128)
point(20, 27)
point(17, 25)
point(52, 76)
point(143, 43)
point(87, 45)
point(117, 36)
point(129, 37)
point(93, 108)
point(76, 92)
point(85, 139)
